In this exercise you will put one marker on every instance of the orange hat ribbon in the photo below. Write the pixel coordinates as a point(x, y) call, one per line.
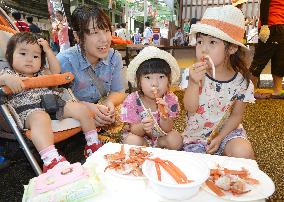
point(235, 32)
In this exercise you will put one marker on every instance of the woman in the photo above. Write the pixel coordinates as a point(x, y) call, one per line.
point(97, 67)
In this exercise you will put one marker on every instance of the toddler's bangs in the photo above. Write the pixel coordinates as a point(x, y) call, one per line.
point(154, 66)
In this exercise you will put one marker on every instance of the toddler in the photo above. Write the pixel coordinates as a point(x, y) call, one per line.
point(26, 54)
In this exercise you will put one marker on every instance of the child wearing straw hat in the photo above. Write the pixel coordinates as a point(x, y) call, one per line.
point(149, 111)
point(218, 86)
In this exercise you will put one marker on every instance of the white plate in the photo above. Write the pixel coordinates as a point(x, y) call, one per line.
point(264, 189)
point(127, 177)
point(117, 174)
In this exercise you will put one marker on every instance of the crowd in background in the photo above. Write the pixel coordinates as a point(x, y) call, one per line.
point(61, 34)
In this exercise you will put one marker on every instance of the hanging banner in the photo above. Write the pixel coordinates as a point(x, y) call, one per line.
point(54, 5)
point(110, 4)
point(59, 24)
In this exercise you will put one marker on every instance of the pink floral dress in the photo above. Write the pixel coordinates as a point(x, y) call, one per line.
point(133, 108)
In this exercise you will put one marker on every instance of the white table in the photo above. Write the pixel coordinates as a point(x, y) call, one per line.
point(129, 190)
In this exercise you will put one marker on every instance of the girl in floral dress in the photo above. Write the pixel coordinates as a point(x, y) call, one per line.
point(219, 80)
point(152, 69)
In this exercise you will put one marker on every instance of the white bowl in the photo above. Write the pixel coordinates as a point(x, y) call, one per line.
point(193, 168)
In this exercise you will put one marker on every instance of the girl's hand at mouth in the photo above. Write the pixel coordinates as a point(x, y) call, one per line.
point(197, 72)
point(210, 63)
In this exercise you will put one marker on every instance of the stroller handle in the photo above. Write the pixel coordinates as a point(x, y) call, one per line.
point(42, 82)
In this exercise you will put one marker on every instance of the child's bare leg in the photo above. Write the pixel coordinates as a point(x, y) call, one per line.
point(134, 140)
point(173, 140)
point(42, 137)
point(81, 113)
point(255, 81)
point(240, 148)
point(277, 84)
point(39, 123)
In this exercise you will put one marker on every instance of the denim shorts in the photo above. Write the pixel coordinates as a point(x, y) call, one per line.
point(200, 146)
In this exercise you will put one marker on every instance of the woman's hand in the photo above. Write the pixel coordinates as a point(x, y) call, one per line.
point(214, 145)
point(102, 115)
point(197, 72)
point(111, 108)
point(148, 124)
point(15, 83)
point(44, 44)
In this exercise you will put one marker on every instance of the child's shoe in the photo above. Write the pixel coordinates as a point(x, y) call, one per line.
point(90, 149)
point(54, 163)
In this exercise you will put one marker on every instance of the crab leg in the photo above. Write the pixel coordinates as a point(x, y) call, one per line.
point(214, 188)
point(212, 66)
point(158, 171)
point(215, 131)
point(178, 171)
point(173, 170)
point(172, 173)
point(122, 151)
point(240, 173)
point(161, 108)
point(237, 192)
point(251, 180)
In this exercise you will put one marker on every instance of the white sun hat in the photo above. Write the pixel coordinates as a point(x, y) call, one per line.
point(148, 53)
point(237, 2)
point(226, 23)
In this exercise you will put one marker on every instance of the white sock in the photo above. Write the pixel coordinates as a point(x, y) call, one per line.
point(48, 154)
point(91, 137)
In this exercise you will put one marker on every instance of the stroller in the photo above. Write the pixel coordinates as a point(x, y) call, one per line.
point(62, 129)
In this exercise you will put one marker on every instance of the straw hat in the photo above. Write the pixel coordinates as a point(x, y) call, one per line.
point(148, 53)
point(237, 2)
point(226, 23)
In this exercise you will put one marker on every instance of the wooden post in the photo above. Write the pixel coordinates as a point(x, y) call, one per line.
point(252, 8)
point(145, 11)
point(201, 13)
point(246, 13)
point(196, 2)
point(191, 9)
point(186, 6)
